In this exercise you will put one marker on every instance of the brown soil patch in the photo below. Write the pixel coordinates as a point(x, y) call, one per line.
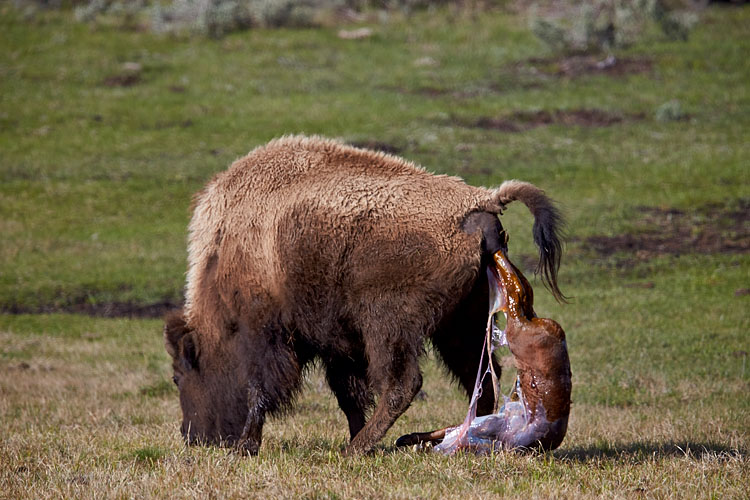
point(525, 120)
point(708, 230)
point(127, 79)
point(471, 90)
point(169, 124)
point(426, 91)
point(581, 65)
point(535, 73)
point(104, 310)
point(432, 91)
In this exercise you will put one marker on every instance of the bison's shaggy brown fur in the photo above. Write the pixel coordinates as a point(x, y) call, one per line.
point(307, 248)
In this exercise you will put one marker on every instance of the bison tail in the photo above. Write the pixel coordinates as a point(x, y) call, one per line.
point(548, 226)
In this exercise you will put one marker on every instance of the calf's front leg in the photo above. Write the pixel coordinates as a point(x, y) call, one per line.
point(418, 438)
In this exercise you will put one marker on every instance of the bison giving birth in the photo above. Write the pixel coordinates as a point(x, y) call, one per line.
point(310, 249)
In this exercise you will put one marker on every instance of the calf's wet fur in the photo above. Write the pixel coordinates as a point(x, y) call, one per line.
point(307, 249)
point(540, 353)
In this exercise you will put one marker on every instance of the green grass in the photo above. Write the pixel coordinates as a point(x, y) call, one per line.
point(95, 189)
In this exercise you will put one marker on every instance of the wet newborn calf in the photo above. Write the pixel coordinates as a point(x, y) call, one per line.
point(539, 418)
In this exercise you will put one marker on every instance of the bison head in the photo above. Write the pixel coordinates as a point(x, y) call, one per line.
point(211, 384)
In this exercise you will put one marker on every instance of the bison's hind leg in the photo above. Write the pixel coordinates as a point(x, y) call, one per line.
point(460, 335)
point(347, 378)
point(459, 340)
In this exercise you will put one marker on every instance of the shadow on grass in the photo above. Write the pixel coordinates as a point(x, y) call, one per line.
point(644, 451)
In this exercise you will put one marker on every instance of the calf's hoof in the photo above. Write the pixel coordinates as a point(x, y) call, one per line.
point(408, 440)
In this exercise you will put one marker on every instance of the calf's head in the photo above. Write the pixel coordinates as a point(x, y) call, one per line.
point(213, 395)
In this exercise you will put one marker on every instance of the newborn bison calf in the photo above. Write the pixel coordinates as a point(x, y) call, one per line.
point(310, 249)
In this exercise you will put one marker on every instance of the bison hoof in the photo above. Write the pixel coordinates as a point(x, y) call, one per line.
point(352, 450)
point(248, 448)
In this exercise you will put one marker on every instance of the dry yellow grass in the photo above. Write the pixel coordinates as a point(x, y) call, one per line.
point(88, 412)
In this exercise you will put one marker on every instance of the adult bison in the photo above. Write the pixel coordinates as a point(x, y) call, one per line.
point(310, 249)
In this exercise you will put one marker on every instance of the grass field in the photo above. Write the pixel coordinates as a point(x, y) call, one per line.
point(99, 159)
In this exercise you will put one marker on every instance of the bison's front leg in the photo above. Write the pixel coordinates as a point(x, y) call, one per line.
point(401, 381)
point(272, 378)
point(256, 416)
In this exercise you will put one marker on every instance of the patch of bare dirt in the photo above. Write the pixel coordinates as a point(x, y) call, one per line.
point(470, 90)
point(104, 310)
point(169, 124)
point(537, 72)
point(129, 75)
point(520, 121)
point(126, 79)
point(426, 91)
point(581, 65)
point(710, 229)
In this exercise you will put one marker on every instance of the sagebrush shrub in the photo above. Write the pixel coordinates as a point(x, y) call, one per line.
point(602, 25)
point(214, 18)
point(209, 17)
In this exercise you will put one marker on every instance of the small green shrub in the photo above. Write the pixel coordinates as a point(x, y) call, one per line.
point(670, 111)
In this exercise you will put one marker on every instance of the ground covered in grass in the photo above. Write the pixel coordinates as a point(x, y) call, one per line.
point(105, 134)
